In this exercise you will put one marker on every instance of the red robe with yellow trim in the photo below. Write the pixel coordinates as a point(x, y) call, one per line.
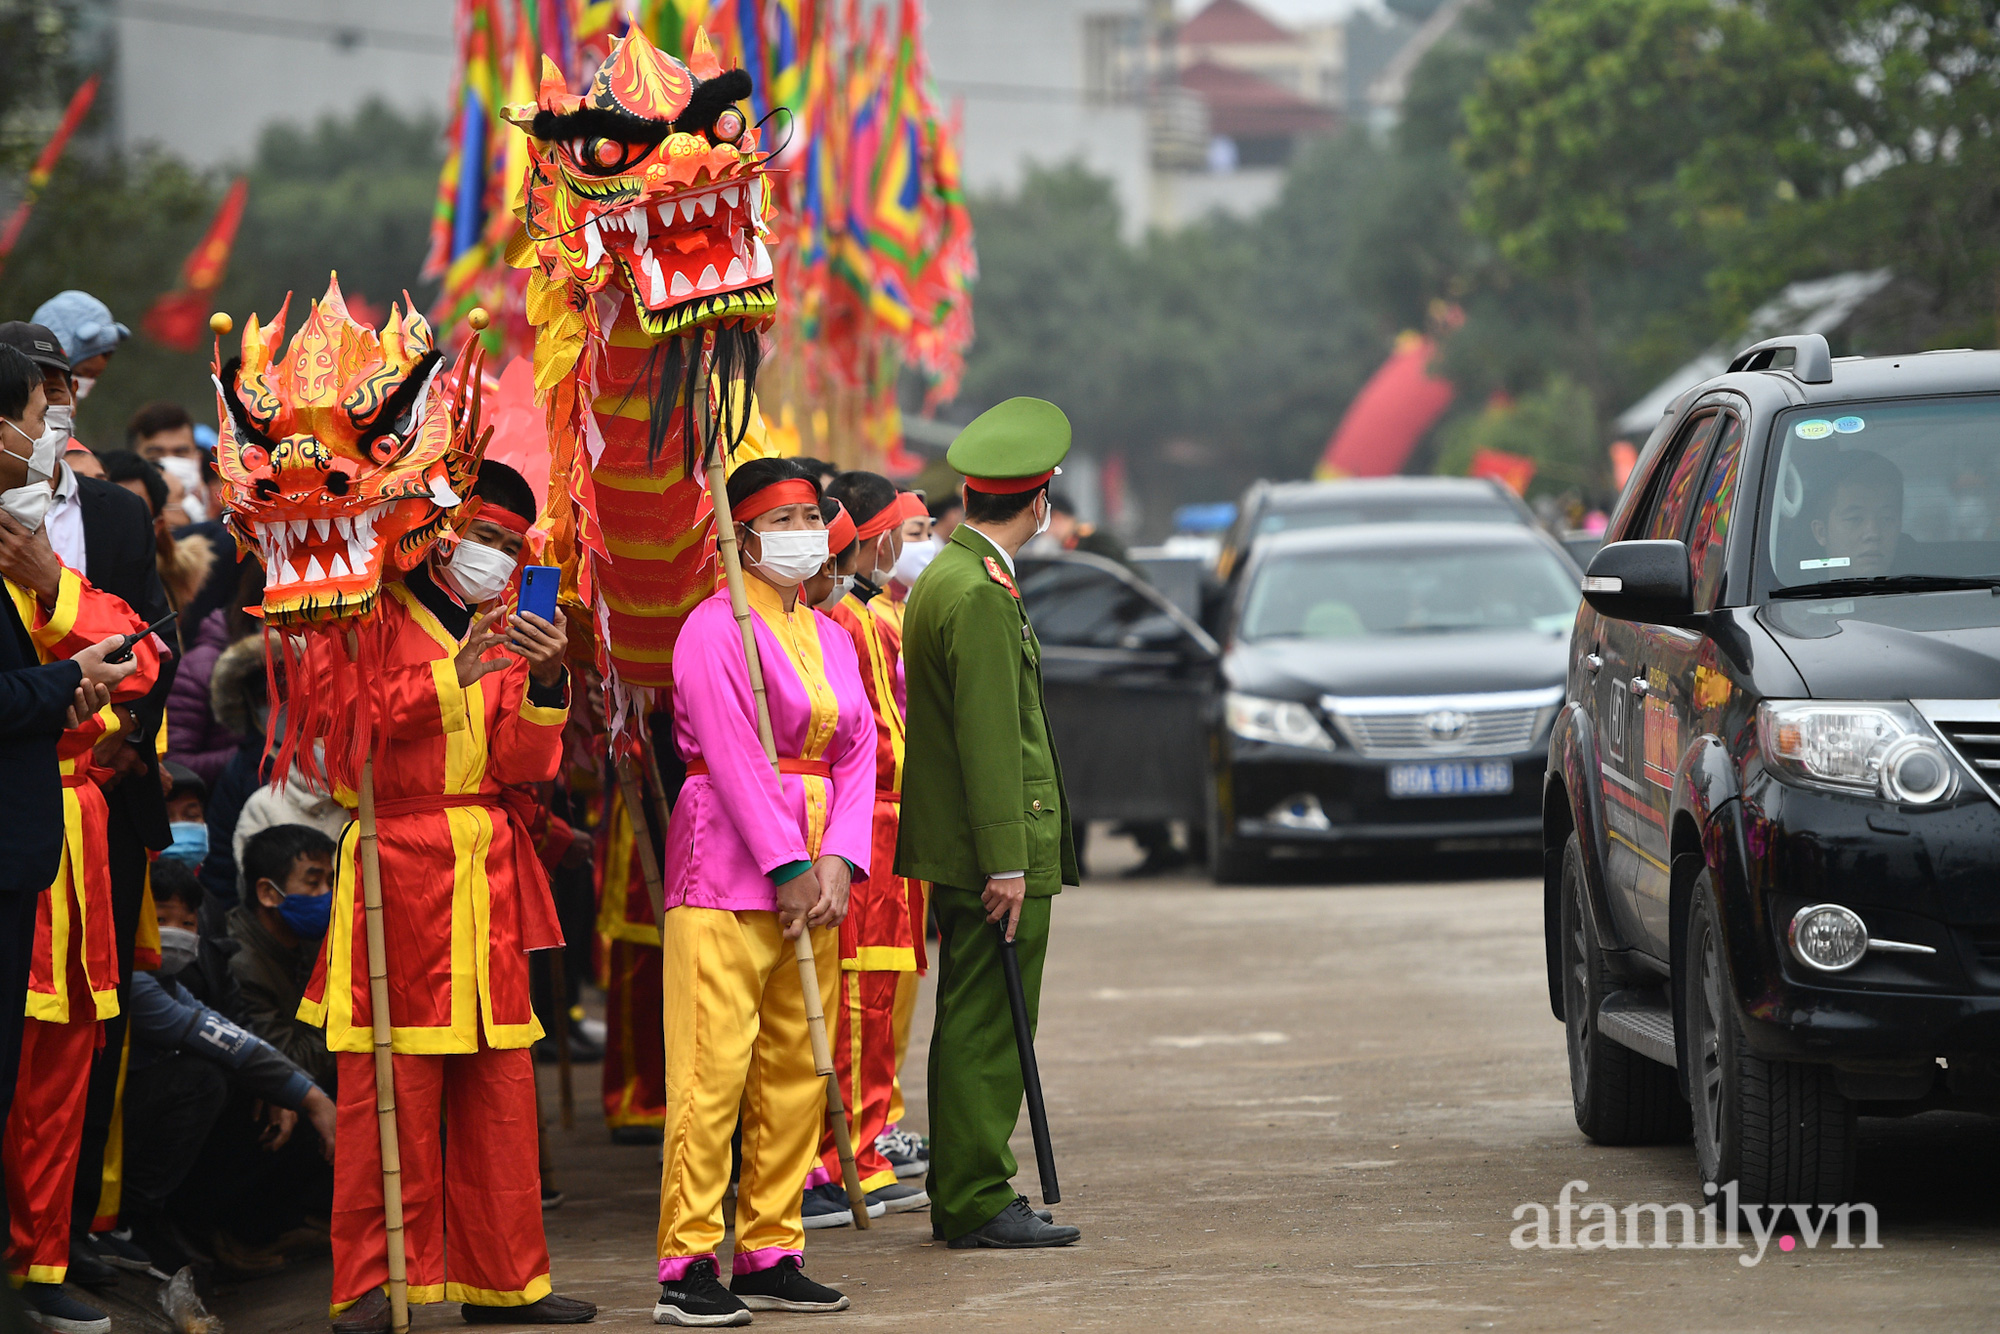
point(73, 972)
point(635, 1072)
point(463, 894)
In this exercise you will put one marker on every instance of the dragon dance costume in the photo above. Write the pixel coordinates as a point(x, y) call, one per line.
point(73, 975)
point(635, 1080)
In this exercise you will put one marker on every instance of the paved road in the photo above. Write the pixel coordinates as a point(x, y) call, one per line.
point(1312, 1107)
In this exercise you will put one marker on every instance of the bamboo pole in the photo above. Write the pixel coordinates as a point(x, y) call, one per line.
point(822, 1051)
point(385, 1070)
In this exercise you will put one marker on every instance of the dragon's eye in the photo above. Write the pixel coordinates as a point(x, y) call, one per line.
point(728, 127)
point(602, 156)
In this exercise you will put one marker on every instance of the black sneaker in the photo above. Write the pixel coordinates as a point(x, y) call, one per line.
point(118, 1250)
point(826, 1206)
point(1017, 1227)
point(52, 1308)
point(87, 1270)
point(898, 1198)
point(784, 1287)
point(697, 1298)
point(937, 1228)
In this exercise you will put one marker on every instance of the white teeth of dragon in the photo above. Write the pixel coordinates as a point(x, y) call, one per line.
point(729, 196)
point(637, 219)
point(651, 265)
point(322, 528)
point(708, 281)
point(442, 493)
point(313, 572)
point(760, 260)
point(680, 286)
point(336, 568)
point(736, 273)
point(708, 204)
point(667, 213)
point(687, 210)
point(756, 192)
point(343, 526)
point(593, 244)
point(298, 527)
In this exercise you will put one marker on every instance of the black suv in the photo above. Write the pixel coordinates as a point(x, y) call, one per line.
point(1772, 846)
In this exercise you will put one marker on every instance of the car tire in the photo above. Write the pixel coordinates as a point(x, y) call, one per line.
point(1620, 1096)
point(1231, 861)
point(1780, 1129)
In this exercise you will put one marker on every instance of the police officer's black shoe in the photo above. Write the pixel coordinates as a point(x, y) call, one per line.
point(937, 1230)
point(698, 1299)
point(1017, 1227)
point(784, 1287)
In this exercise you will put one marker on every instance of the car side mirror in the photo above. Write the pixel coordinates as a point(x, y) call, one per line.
point(1647, 581)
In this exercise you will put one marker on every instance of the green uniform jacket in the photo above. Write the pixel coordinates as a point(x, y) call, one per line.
point(982, 790)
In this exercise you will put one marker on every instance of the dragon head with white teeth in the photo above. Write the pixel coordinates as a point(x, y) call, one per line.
point(344, 458)
point(650, 183)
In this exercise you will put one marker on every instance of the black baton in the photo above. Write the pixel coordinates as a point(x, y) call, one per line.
point(1031, 1074)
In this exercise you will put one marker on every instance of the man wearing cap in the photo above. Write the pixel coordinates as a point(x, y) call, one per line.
point(984, 816)
point(87, 331)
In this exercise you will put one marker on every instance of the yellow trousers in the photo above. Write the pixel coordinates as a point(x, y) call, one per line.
point(906, 1010)
point(736, 1041)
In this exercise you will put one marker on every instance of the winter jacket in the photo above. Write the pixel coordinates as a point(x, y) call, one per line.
point(301, 801)
point(166, 1020)
point(270, 979)
point(194, 737)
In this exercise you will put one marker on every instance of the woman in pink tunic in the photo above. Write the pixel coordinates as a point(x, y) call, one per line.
point(752, 857)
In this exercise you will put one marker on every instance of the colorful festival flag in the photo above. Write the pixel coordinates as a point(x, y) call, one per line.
point(45, 165)
point(179, 319)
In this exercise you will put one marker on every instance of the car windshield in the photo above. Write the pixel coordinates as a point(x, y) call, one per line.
point(1338, 514)
point(1900, 495)
point(1385, 592)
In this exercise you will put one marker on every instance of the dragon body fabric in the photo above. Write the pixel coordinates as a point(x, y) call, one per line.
point(343, 458)
point(643, 229)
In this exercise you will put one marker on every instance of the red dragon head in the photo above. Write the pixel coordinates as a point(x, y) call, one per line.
point(650, 183)
point(343, 458)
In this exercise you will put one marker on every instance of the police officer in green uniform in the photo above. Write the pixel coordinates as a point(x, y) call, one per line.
point(984, 816)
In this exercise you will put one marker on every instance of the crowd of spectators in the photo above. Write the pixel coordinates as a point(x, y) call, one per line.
point(208, 1125)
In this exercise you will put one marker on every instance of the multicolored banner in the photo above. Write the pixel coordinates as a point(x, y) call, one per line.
point(874, 253)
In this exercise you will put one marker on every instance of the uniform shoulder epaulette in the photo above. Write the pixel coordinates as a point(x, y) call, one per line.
point(1000, 576)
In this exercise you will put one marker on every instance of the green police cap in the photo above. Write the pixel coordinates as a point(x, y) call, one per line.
point(1012, 446)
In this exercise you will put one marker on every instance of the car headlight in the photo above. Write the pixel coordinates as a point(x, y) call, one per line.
point(1282, 721)
point(1854, 747)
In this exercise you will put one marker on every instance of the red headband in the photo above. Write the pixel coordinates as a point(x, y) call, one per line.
point(910, 505)
point(883, 520)
point(840, 533)
point(501, 517)
point(791, 491)
point(1008, 486)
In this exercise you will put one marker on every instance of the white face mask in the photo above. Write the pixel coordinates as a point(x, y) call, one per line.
point(880, 575)
point(177, 948)
point(843, 584)
point(915, 558)
point(81, 385)
point(188, 473)
point(477, 573)
point(62, 420)
point(26, 505)
point(789, 557)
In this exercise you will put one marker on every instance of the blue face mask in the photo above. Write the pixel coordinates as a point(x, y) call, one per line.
point(307, 914)
point(190, 842)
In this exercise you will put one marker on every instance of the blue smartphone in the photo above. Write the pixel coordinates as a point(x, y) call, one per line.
point(538, 591)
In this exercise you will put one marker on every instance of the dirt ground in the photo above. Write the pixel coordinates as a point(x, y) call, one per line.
point(1311, 1106)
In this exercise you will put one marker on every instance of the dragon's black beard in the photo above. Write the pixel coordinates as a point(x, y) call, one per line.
point(697, 384)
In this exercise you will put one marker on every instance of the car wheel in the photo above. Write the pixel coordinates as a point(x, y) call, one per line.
point(1780, 1129)
point(1620, 1096)
point(1231, 861)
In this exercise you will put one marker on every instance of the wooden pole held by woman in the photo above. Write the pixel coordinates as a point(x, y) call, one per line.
point(822, 1050)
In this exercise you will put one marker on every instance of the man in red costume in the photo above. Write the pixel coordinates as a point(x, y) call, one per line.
point(877, 945)
point(464, 711)
point(73, 973)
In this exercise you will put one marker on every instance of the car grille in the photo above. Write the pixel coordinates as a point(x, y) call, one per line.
point(1443, 726)
point(1978, 744)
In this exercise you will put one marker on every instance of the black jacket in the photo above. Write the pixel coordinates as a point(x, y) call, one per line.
point(123, 561)
point(34, 707)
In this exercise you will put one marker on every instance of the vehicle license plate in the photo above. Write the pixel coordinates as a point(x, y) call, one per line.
point(1463, 778)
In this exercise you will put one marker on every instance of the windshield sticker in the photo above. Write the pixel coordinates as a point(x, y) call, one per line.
point(1849, 425)
point(1825, 563)
point(1819, 428)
